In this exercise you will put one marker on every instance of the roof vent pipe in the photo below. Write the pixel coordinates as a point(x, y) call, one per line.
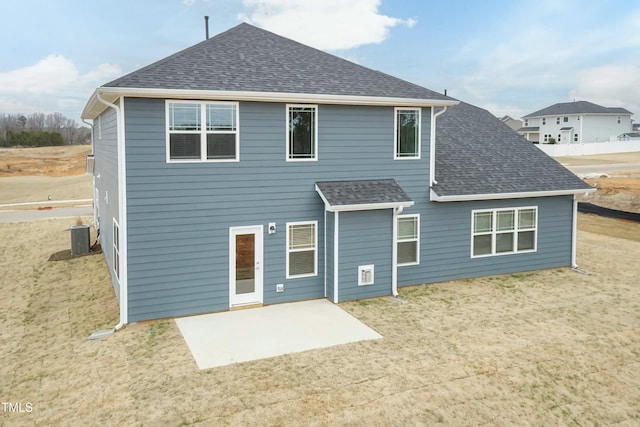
point(206, 27)
point(445, 92)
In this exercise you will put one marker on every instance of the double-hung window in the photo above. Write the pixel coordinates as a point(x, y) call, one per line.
point(302, 249)
point(202, 131)
point(504, 231)
point(302, 132)
point(408, 240)
point(407, 133)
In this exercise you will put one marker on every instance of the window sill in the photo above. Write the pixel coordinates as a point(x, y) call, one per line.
point(301, 160)
point(302, 276)
point(203, 161)
point(406, 264)
point(529, 251)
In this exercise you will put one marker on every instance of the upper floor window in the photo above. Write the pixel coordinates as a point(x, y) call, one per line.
point(618, 119)
point(557, 120)
point(544, 120)
point(202, 131)
point(526, 122)
point(407, 133)
point(565, 119)
point(302, 133)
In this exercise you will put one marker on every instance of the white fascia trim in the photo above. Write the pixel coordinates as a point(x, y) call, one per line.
point(471, 197)
point(93, 107)
point(369, 206)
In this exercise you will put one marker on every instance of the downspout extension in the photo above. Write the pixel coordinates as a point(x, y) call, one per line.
point(120, 134)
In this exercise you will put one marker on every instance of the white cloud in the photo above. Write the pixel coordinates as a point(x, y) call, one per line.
point(52, 84)
point(610, 86)
point(326, 24)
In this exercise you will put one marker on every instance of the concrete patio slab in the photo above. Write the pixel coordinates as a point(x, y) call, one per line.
point(220, 339)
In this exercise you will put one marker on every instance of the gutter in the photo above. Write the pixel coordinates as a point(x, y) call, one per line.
point(122, 208)
point(108, 94)
point(499, 196)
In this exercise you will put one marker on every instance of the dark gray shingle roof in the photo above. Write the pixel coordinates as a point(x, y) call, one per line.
point(476, 154)
point(529, 129)
point(577, 107)
point(247, 58)
point(362, 192)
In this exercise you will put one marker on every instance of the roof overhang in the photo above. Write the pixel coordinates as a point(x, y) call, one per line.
point(363, 206)
point(94, 107)
point(498, 196)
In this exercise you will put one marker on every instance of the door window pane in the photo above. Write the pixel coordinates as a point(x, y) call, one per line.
point(245, 263)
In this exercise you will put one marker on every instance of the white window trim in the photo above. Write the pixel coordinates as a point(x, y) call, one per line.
point(515, 231)
point(417, 240)
point(315, 250)
point(115, 243)
point(395, 133)
point(203, 131)
point(315, 130)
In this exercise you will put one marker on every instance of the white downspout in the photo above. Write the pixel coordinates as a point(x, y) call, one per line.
point(336, 256)
point(122, 210)
point(93, 175)
point(394, 252)
point(432, 146)
point(574, 232)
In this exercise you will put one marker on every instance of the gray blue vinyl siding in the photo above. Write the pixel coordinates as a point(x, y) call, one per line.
point(179, 215)
point(364, 238)
point(445, 241)
point(106, 182)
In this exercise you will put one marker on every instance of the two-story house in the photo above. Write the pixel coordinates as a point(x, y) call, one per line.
point(250, 169)
point(575, 122)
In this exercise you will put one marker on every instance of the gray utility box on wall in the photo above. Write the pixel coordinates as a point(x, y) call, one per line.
point(80, 243)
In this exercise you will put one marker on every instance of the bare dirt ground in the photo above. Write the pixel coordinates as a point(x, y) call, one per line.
point(43, 174)
point(552, 347)
point(615, 190)
point(44, 161)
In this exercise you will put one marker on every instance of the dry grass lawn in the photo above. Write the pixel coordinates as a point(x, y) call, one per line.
point(552, 347)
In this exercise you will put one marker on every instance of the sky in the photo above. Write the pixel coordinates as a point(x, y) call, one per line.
point(510, 57)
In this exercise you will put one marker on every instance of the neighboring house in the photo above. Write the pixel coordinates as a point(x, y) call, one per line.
point(577, 122)
point(514, 124)
point(250, 169)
